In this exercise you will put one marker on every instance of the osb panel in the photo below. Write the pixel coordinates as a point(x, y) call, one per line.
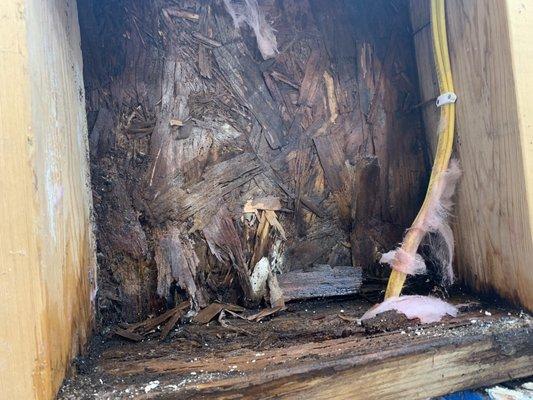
point(47, 256)
point(327, 127)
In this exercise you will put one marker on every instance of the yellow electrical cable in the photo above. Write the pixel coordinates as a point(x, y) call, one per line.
point(445, 132)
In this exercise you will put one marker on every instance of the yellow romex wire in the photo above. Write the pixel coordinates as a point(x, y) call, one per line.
point(445, 134)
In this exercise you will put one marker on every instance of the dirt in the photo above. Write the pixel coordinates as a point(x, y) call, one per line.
point(386, 322)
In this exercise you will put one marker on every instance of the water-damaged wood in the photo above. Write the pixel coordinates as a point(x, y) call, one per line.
point(320, 281)
point(316, 350)
point(189, 122)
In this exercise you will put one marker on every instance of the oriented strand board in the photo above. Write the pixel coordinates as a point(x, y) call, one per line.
point(163, 188)
point(46, 253)
point(491, 61)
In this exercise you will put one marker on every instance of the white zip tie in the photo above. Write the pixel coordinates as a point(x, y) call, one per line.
point(446, 98)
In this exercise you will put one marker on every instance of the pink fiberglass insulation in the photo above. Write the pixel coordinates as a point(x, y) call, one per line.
point(247, 11)
point(404, 262)
point(426, 308)
point(434, 220)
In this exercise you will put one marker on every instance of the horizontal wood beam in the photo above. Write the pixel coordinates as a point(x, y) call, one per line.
point(415, 371)
point(469, 351)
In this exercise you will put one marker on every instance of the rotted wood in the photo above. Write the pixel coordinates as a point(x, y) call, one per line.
point(222, 178)
point(416, 370)
point(188, 123)
point(364, 235)
point(317, 350)
point(320, 281)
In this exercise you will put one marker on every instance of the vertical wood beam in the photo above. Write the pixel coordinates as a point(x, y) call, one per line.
point(46, 248)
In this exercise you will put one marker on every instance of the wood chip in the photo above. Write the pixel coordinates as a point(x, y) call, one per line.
point(263, 203)
point(273, 220)
point(265, 312)
point(224, 324)
point(206, 40)
point(312, 78)
point(170, 324)
point(234, 314)
point(207, 314)
point(176, 122)
point(261, 239)
point(332, 99)
point(347, 318)
point(212, 310)
point(178, 13)
point(282, 78)
point(233, 307)
point(151, 323)
point(135, 337)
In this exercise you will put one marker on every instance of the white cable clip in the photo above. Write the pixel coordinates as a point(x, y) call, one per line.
point(446, 98)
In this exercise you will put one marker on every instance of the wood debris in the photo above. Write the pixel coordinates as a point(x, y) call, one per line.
point(206, 40)
point(212, 310)
point(282, 78)
point(271, 203)
point(165, 321)
point(347, 318)
point(265, 312)
point(178, 13)
point(332, 100)
point(135, 337)
point(320, 281)
point(274, 222)
point(222, 321)
point(176, 122)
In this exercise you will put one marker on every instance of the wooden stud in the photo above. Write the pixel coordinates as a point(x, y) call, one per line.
point(46, 252)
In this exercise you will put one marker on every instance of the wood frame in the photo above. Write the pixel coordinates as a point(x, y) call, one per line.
point(47, 256)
